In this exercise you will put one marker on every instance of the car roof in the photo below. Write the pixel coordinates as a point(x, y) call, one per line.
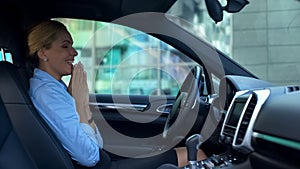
point(102, 10)
point(19, 15)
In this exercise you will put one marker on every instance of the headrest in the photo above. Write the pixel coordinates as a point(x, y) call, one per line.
point(12, 32)
point(13, 86)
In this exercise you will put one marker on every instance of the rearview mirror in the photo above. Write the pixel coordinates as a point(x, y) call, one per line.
point(234, 6)
point(215, 9)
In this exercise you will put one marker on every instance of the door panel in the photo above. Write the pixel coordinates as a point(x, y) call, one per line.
point(130, 116)
point(136, 117)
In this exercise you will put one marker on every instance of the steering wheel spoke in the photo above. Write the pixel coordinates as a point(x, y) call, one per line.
point(183, 109)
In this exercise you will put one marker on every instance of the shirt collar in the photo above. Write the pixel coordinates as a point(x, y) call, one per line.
point(46, 77)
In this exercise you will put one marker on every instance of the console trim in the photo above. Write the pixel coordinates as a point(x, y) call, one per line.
point(237, 94)
point(245, 146)
point(262, 95)
point(278, 140)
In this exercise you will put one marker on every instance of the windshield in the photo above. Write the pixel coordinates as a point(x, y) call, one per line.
point(264, 37)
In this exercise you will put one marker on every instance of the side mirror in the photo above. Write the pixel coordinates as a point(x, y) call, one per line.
point(215, 9)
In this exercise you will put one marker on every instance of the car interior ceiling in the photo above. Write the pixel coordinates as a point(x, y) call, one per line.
point(104, 10)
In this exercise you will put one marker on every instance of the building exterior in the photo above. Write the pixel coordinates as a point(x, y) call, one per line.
point(272, 43)
point(264, 37)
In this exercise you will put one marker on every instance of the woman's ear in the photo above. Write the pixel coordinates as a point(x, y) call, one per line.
point(41, 55)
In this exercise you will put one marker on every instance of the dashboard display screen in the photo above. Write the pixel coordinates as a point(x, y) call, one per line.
point(235, 113)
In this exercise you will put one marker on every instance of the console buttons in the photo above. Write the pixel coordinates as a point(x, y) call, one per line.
point(228, 140)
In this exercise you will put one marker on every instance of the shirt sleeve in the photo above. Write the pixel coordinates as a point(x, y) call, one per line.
point(58, 108)
point(94, 135)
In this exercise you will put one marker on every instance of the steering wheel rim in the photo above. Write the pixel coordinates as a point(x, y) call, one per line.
point(186, 99)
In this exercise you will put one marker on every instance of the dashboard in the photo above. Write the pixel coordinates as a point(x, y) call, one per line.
point(239, 120)
point(261, 127)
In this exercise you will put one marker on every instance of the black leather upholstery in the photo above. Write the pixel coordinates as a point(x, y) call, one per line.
point(12, 153)
point(42, 148)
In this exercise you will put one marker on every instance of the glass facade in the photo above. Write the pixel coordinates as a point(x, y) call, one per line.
point(264, 37)
point(193, 16)
point(121, 60)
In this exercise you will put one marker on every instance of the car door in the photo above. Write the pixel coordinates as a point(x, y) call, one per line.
point(133, 78)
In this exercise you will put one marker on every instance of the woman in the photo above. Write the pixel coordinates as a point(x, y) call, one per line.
point(66, 108)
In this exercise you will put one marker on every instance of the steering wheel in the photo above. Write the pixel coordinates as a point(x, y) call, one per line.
point(185, 109)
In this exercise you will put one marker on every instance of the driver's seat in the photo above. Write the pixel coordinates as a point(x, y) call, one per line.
point(36, 146)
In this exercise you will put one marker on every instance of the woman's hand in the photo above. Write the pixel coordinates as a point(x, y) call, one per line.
point(78, 88)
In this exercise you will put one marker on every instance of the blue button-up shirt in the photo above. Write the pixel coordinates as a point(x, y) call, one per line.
point(58, 109)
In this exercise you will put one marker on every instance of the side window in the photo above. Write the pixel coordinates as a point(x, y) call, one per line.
point(5, 55)
point(121, 60)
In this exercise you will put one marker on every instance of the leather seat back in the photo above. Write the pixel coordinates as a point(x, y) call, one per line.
point(37, 139)
point(12, 153)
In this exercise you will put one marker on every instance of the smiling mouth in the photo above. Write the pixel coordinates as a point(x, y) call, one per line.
point(71, 62)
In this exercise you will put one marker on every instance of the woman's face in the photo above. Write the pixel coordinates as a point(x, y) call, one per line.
point(60, 56)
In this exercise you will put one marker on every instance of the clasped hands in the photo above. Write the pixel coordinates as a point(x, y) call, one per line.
point(78, 88)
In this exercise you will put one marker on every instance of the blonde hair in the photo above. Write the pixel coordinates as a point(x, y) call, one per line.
point(41, 36)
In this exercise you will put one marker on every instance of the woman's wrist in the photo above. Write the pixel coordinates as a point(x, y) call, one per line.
point(84, 111)
point(90, 121)
point(92, 124)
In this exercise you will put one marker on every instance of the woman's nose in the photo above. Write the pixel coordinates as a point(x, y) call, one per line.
point(75, 53)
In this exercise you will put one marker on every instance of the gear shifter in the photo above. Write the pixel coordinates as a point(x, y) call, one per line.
point(192, 144)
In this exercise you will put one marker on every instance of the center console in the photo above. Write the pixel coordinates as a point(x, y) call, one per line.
point(237, 129)
point(239, 120)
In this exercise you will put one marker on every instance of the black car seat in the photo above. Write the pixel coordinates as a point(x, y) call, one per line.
point(23, 127)
point(12, 153)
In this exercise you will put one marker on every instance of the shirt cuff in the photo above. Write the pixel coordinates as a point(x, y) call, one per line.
point(95, 136)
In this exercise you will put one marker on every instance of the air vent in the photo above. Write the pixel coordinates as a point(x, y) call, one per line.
point(291, 89)
point(229, 131)
point(246, 119)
